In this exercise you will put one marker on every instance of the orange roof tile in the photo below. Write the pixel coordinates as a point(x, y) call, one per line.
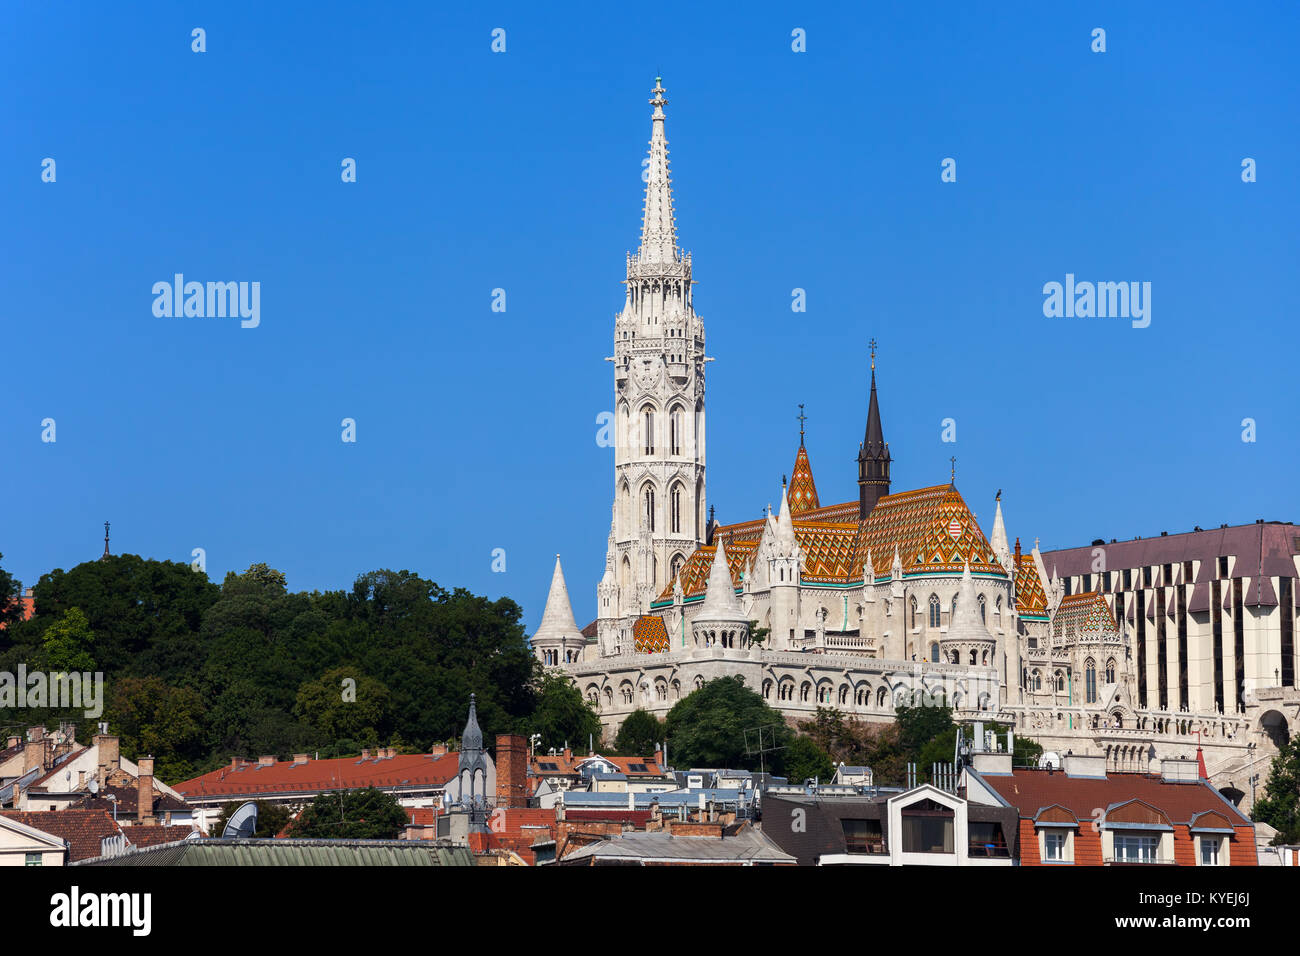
point(315, 776)
point(1031, 598)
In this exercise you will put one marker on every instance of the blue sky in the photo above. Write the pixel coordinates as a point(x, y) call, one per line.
point(820, 170)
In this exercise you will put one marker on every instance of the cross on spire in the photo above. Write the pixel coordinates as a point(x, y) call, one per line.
point(106, 539)
point(953, 459)
point(872, 343)
point(802, 418)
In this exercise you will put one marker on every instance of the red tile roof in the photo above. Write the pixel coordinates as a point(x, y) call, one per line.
point(1031, 790)
point(83, 830)
point(315, 776)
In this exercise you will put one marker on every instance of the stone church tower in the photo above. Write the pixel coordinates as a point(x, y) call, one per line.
point(658, 358)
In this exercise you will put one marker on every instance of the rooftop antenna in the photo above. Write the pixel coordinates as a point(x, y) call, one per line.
point(754, 743)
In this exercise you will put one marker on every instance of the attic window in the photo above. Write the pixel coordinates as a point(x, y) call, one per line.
point(550, 766)
point(638, 768)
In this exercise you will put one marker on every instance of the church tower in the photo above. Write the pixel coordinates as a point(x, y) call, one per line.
point(873, 455)
point(659, 515)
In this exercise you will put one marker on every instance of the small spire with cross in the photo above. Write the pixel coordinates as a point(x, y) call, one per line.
point(872, 343)
point(106, 539)
point(953, 460)
point(802, 418)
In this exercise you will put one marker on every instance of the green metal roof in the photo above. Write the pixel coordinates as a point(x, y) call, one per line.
point(294, 853)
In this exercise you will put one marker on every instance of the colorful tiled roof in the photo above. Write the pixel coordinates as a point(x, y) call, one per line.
point(1080, 614)
point(803, 490)
point(1031, 597)
point(649, 635)
point(932, 528)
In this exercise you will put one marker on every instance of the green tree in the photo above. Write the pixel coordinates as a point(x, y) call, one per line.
point(640, 734)
point(11, 589)
point(271, 818)
point(562, 715)
point(920, 724)
point(67, 643)
point(1280, 805)
point(367, 814)
point(154, 718)
point(343, 702)
point(757, 635)
point(805, 760)
point(709, 728)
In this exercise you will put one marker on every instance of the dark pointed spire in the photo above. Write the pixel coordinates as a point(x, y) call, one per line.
point(873, 456)
point(106, 553)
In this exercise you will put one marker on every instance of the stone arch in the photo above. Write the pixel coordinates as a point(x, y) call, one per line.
point(1273, 723)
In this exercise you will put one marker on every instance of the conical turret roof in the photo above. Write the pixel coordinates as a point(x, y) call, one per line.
point(966, 624)
point(557, 620)
point(720, 601)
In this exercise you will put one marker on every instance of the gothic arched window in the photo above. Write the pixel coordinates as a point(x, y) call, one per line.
point(1060, 682)
point(676, 565)
point(913, 611)
point(983, 619)
point(675, 509)
point(649, 501)
point(1037, 682)
point(675, 430)
point(1090, 680)
point(648, 424)
point(934, 652)
point(934, 610)
point(1110, 671)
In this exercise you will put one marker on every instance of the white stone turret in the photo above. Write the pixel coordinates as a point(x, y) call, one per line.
point(721, 621)
point(557, 639)
point(967, 635)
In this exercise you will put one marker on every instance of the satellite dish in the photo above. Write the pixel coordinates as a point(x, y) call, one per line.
point(1050, 759)
point(93, 786)
point(242, 823)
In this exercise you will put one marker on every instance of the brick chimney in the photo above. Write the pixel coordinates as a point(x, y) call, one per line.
point(365, 753)
point(266, 761)
point(568, 754)
point(35, 752)
point(300, 759)
point(144, 790)
point(512, 771)
point(109, 753)
point(439, 750)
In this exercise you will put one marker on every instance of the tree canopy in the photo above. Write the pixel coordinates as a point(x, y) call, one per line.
point(197, 673)
point(718, 726)
point(1280, 805)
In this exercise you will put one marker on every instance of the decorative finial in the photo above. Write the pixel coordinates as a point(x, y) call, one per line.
point(872, 343)
point(783, 482)
point(953, 459)
point(998, 497)
point(802, 418)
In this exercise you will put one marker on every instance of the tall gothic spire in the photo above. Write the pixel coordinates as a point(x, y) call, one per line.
point(106, 552)
point(658, 227)
point(803, 490)
point(873, 455)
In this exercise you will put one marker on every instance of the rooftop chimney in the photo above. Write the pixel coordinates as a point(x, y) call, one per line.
point(299, 759)
point(266, 761)
point(512, 771)
point(365, 753)
point(144, 790)
point(109, 754)
point(439, 750)
point(1084, 765)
